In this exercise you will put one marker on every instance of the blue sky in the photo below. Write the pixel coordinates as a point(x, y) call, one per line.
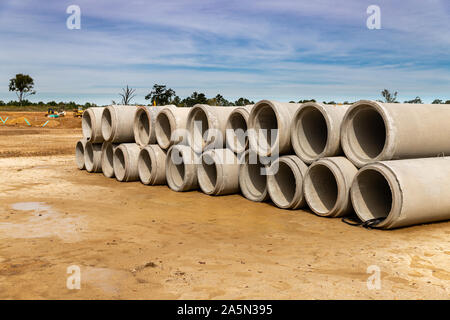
point(260, 49)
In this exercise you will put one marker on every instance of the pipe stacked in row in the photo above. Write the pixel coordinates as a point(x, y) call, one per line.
point(264, 151)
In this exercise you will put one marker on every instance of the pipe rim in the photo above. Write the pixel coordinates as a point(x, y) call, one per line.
point(309, 189)
point(395, 191)
point(108, 121)
point(161, 137)
point(230, 132)
point(79, 155)
point(246, 183)
point(107, 159)
point(252, 134)
point(305, 155)
point(350, 148)
point(208, 184)
point(89, 156)
point(86, 124)
point(142, 126)
point(205, 141)
point(121, 152)
point(146, 166)
point(297, 197)
point(176, 184)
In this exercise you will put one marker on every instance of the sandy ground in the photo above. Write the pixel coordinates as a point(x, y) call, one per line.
point(132, 241)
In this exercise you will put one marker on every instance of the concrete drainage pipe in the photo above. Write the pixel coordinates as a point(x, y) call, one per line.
point(236, 129)
point(269, 127)
point(126, 162)
point(218, 172)
point(91, 124)
point(181, 168)
point(403, 192)
point(316, 131)
point(152, 165)
point(206, 126)
point(327, 186)
point(144, 125)
point(285, 182)
point(117, 124)
point(108, 159)
point(170, 126)
point(253, 178)
point(374, 131)
point(79, 153)
point(93, 157)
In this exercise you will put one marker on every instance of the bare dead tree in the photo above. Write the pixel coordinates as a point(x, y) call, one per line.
point(127, 94)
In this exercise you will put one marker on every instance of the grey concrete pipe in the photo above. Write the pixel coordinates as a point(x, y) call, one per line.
point(117, 124)
point(144, 125)
point(93, 157)
point(327, 186)
point(269, 127)
point(206, 126)
point(152, 165)
point(375, 131)
point(170, 126)
point(181, 168)
point(218, 172)
point(236, 129)
point(253, 178)
point(285, 182)
point(126, 162)
point(316, 131)
point(108, 159)
point(91, 124)
point(403, 192)
point(79, 153)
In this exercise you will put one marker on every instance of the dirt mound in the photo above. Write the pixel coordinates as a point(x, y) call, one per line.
point(20, 121)
point(50, 124)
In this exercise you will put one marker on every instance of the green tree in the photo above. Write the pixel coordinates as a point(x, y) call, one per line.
point(437, 101)
point(194, 98)
point(160, 95)
point(127, 94)
point(388, 96)
point(22, 85)
point(415, 100)
point(243, 102)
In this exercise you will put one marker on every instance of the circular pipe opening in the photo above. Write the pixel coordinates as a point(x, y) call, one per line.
point(312, 131)
point(108, 160)
point(176, 172)
point(86, 125)
point(236, 133)
point(367, 134)
point(119, 164)
point(106, 124)
point(321, 189)
point(145, 166)
point(265, 122)
point(79, 155)
point(163, 130)
point(143, 127)
point(207, 174)
point(89, 156)
point(198, 125)
point(371, 195)
point(283, 185)
point(256, 183)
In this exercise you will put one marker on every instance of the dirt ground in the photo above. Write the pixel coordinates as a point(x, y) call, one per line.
point(132, 241)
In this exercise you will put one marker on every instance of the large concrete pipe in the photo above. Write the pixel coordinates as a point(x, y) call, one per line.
point(374, 131)
point(253, 178)
point(108, 159)
point(269, 127)
point(218, 172)
point(403, 192)
point(170, 126)
point(316, 131)
point(91, 124)
point(93, 157)
point(206, 126)
point(285, 182)
point(236, 129)
point(327, 186)
point(181, 168)
point(144, 125)
point(117, 124)
point(152, 165)
point(79, 153)
point(126, 162)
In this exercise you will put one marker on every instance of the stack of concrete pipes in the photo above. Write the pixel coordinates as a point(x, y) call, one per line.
point(384, 162)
